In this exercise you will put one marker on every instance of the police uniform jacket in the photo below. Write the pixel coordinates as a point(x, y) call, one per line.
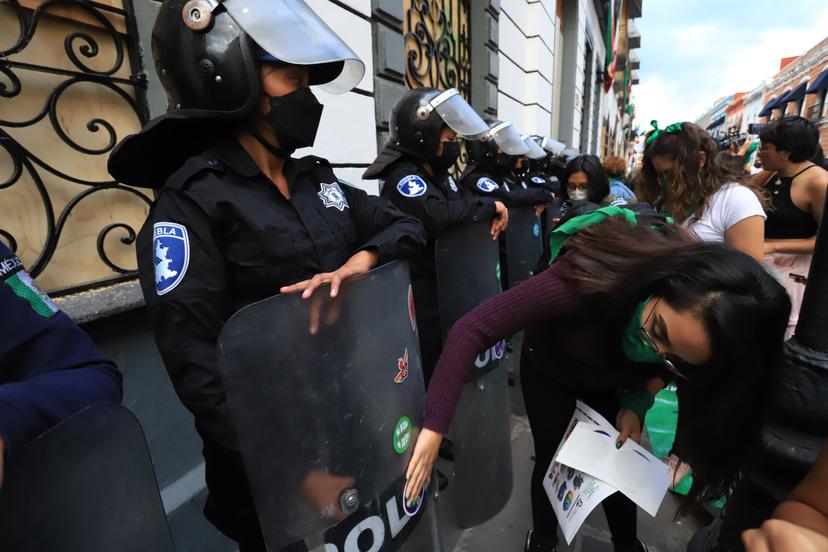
point(437, 201)
point(537, 179)
point(510, 191)
point(221, 236)
point(49, 368)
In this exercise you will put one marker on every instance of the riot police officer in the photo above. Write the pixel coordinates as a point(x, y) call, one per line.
point(533, 168)
point(237, 219)
point(491, 168)
point(414, 164)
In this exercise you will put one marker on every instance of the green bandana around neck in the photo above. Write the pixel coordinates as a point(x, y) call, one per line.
point(633, 343)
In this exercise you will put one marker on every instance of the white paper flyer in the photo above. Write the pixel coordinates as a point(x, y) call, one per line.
point(574, 494)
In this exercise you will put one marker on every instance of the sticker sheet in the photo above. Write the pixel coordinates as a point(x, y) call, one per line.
point(573, 493)
point(642, 477)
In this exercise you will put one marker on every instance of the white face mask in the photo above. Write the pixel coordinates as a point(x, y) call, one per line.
point(577, 194)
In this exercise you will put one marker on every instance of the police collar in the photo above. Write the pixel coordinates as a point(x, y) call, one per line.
point(232, 154)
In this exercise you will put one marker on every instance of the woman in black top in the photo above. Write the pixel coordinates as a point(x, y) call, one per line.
point(790, 149)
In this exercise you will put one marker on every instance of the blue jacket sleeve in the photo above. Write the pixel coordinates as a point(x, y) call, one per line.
point(49, 367)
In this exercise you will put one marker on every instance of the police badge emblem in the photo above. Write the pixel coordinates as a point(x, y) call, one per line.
point(412, 186)
point(332, 196)
point(486, 184)
point(538, 180)
point(171, 251)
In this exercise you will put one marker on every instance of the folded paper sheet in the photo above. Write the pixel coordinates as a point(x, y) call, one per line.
point(573, 493)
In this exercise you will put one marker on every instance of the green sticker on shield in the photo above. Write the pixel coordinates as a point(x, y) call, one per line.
point(402, 435)
point(497, 270)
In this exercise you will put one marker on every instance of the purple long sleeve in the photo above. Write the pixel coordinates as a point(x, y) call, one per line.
point(543, 297)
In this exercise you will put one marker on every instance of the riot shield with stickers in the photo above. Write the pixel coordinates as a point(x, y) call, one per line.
point(523, 244)
point(468, 273)
point(327, 398)
point(86, 485)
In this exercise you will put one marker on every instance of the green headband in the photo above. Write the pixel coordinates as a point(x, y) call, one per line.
point(675, 127)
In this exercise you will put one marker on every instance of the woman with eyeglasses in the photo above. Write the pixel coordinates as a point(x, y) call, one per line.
point(625, 307)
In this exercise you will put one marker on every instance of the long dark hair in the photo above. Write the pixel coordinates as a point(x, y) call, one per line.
point(742, 308)
point(691, 182)
point(597, 181)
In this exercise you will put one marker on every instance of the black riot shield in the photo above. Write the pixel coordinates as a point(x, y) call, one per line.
point(468, 273)
point(86, 485)
point(327, 400)
point(523, 244)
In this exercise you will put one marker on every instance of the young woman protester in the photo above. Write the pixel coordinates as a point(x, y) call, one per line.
point(796, 183)
point(683, 177)
point(624, 308)
point(586, 188)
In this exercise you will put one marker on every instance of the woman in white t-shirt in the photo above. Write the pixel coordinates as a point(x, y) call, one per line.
point(683, 177)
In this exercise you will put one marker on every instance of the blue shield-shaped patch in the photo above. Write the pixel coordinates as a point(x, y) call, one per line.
point(171, 251)
point(486, 184)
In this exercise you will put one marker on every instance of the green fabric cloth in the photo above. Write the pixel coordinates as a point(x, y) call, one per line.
point(574, 225)
point(638, 400)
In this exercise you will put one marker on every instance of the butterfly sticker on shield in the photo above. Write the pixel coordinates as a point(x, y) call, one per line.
point(171, 252)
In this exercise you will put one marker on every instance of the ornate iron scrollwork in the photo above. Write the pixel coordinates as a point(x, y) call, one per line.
point(81, 48)
point(437, 44)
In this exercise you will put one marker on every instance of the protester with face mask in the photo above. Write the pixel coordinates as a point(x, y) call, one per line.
point(237, 218)
point(586, 188)
point(493, 160)
point(414, 164)
point(683, 177)
point(625, 306)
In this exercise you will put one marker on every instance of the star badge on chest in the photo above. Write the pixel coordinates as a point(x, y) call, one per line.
point(332, 196)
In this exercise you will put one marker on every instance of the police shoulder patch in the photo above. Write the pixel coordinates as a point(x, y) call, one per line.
point(412, 186)
point(486, 184)
point(332, 196)
point(538, 180)
point(171, 255)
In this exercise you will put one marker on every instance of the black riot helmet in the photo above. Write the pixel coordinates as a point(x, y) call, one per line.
point(418, 117)
point(206, 54)
point(417, 120)
point(501, 135)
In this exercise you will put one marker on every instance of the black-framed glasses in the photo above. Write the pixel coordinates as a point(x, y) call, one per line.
point(648, 339)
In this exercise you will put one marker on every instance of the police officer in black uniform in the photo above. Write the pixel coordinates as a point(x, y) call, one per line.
point(237, 219)
point(533, 167)
point(425, 124)
point(492, 163)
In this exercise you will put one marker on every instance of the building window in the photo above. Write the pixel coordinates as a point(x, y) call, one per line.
point(437, 44)
point(72, 89)
point(817, 110)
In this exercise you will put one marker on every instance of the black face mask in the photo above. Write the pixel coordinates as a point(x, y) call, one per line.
point(504, 163)
point(442, 162)
point(294, 119)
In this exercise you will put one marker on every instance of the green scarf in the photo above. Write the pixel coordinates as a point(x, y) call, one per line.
point(574, 225)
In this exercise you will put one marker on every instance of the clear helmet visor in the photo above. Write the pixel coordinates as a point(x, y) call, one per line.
point(456, 112)
point(552, 146)
point(508, 139)
point(290, 31)
point(535, 151)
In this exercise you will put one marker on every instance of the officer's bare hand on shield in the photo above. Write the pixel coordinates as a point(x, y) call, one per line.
point(360, 263)
point(422, 462)
point(500, 220)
